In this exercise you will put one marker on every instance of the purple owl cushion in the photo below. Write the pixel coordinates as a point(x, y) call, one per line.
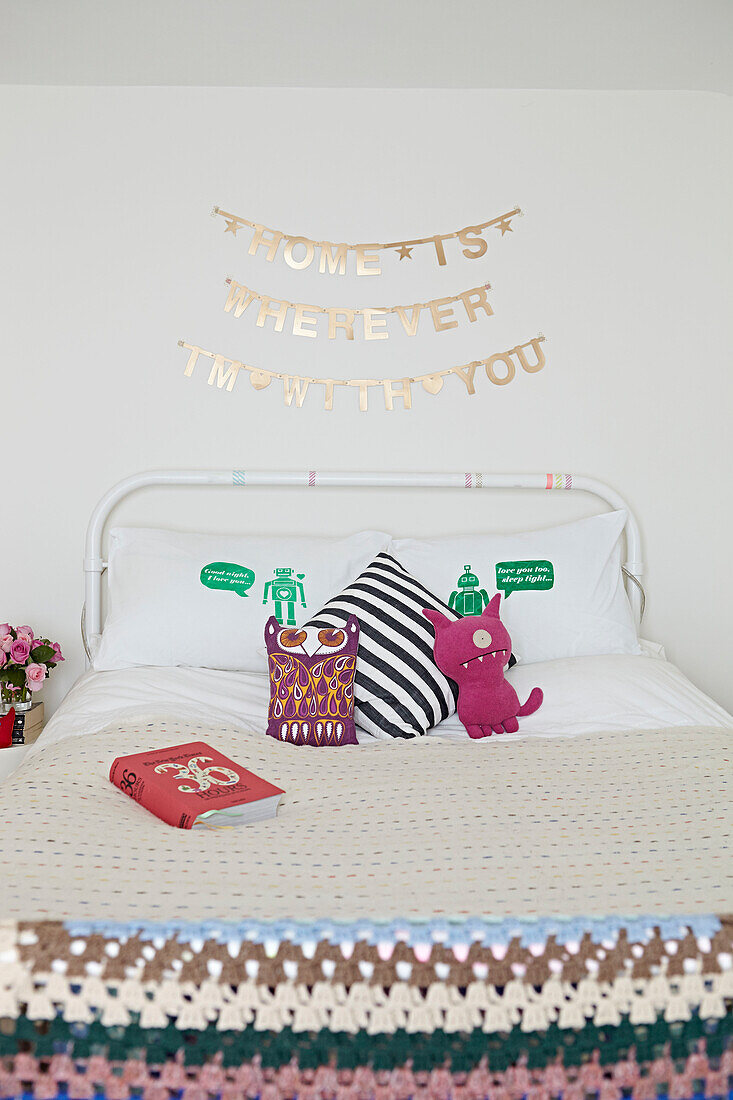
point(312, 683)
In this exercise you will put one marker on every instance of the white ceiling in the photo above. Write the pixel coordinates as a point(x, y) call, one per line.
point(620, 44)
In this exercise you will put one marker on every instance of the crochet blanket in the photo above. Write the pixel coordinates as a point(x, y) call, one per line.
point(92, 1010)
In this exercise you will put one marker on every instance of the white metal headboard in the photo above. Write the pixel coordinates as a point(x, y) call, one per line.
point(94, 565)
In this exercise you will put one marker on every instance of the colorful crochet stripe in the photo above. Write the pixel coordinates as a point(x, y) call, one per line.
point(648, 996)
point(155, 976)
point(603, 1065)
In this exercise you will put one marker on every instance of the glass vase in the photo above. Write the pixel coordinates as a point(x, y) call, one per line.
point(21, 700)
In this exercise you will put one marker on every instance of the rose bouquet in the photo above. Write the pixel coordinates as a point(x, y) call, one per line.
point(25, 662)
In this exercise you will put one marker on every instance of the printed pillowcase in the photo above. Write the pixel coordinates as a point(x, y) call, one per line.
point(203, 600)
point(312, 683)
point(399, 691)
point(563, 591)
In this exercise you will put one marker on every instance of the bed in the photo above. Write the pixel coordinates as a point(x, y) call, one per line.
point(540, 914)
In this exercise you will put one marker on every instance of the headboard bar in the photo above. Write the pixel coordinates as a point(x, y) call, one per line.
point(94, 564)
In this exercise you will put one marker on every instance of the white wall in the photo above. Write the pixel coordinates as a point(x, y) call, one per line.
point(622, 260)
point(639, 44)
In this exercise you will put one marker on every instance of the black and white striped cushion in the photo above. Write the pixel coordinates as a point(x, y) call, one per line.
point(399, 691)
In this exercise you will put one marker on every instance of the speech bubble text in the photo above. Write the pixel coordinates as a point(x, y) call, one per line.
point(524, 576)
point(228, 576)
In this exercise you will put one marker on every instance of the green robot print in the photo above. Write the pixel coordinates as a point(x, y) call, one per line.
point(286, 592)
point(468, 599)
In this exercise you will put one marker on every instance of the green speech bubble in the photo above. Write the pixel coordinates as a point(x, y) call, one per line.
point(227, 575)
point(524, 576)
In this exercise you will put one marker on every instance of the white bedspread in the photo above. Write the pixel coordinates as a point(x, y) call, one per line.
point(606, 824)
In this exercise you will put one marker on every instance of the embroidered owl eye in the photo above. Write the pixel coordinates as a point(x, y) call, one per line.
point(331, 637)
point(291, 638)
point(482, 639)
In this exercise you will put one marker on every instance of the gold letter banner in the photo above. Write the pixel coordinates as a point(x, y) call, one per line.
point(305, 318)
point(300, 252)
point(500, 369)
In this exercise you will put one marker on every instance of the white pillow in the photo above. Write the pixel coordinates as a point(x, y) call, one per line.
point(572, 602)
point(203, 600)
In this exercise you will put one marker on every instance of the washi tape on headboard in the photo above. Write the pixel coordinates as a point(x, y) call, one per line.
point(559, 481)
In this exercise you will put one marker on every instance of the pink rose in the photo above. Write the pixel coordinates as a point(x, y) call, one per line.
point(57, 654)
point(5, 628)
point(6, 640)
point(23, 636)
point(19, 651)
point(25, 631)
point(34, 677)
point(3, 657)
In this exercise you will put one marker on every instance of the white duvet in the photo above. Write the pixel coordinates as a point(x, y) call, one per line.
point(582, 695)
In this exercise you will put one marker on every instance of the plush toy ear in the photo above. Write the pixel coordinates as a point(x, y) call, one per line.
point(437, 618)
point(492, 607)
point(271, 627)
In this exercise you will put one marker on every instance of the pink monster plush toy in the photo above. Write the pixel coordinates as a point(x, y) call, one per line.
point(474, 651)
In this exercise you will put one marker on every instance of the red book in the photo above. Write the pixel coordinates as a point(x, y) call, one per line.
point(187, 785)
